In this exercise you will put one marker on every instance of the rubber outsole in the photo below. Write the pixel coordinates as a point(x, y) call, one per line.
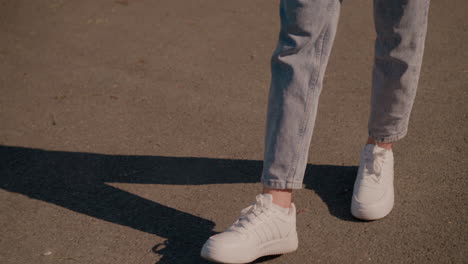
point(276, 247)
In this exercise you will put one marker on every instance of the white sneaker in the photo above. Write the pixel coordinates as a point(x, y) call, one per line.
point(262, 229)
point(373, 195)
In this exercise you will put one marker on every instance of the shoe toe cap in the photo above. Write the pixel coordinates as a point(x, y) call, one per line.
point(227, 247)
point(372, 205)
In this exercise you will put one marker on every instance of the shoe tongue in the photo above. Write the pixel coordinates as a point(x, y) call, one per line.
point(264, 200)
point(374, 148)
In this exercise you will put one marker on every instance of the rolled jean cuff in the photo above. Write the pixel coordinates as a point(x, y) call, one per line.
point(280, 184)
point(388, 138)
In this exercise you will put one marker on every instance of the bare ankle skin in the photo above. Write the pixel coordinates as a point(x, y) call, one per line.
point(380, 144)
point(281, 197)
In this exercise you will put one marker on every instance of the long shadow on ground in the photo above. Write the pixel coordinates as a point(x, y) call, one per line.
point(77, 181)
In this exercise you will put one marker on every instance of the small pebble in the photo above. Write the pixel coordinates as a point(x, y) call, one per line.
point(47, 253)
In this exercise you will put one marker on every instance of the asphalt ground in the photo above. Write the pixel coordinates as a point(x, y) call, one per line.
point(131, 131)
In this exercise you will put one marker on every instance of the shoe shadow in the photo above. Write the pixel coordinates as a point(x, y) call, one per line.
point(334, 185)
point(77, 181)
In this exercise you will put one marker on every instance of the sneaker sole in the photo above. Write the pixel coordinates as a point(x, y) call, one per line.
point(275, 247)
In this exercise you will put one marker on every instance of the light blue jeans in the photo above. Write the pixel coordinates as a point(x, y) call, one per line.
point(298, 65)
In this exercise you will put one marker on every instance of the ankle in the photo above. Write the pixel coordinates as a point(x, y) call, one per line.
point(385, 145)
point(281, 197)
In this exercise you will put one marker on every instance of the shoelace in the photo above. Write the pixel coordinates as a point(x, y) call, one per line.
point(250, 215)
point(374, 163)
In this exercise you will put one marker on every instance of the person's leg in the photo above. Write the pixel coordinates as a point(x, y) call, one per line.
point(401, 27)
point(268, 226)
point(298, 65)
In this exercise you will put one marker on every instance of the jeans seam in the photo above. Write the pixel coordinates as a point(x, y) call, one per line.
point(306, 107)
